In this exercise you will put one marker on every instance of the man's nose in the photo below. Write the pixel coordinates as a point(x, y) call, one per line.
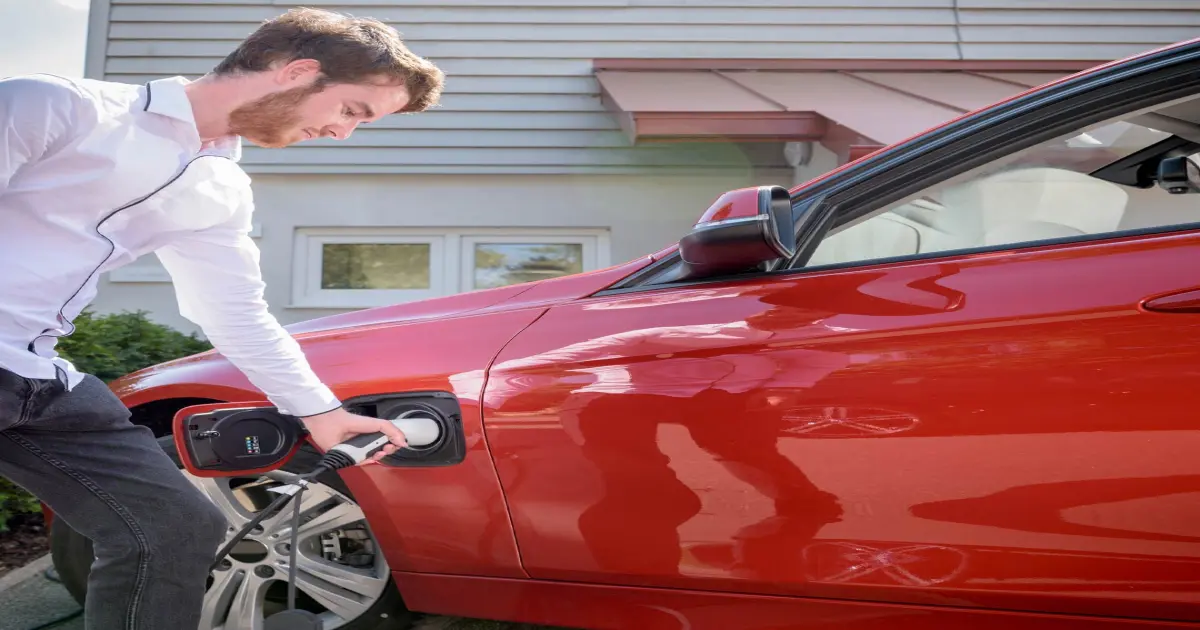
point(341, 131)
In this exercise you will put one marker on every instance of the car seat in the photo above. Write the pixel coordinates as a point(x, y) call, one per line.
point(912, 228)
point(1015, 206)
point(1032, 204)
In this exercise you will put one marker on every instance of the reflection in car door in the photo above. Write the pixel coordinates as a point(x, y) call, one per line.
point(1003, 430)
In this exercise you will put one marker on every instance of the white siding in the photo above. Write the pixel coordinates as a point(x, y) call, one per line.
point(521, 97)
point(1073, 29)
point(520, 92)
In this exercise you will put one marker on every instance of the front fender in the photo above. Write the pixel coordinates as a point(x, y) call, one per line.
point(207, 375)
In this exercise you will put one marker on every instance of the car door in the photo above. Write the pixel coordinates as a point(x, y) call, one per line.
point(979, 394)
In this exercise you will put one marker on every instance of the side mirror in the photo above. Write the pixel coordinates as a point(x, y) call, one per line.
point(1179, 175)
point(744, 229)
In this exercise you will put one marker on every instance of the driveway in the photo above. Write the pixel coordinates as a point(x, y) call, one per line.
point(31, 601)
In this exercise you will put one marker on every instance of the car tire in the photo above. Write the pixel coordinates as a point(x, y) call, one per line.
point(72, 555)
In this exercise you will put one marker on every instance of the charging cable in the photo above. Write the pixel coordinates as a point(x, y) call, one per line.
point(419, 431)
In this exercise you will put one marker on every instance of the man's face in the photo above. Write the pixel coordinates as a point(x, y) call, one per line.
point(302, 113)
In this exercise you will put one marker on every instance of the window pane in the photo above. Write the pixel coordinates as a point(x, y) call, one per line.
point(1041, 193)
point(501, 264)
point(375, 266)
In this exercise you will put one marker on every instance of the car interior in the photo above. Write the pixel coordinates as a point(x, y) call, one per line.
point(1102, 180)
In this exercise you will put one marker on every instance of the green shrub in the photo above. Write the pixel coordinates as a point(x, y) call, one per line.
point(111, 346)
point(107, 347)
point(13, 501)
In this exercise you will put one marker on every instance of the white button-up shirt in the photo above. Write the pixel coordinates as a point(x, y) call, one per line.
point(95, 174)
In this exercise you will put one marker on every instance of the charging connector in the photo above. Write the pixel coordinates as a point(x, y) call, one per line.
point(420, 429)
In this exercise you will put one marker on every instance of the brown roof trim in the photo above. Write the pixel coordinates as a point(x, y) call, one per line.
point(847, 144)
point(858, 151)
point(874, 65)
point(723, 126)
point(693, 126)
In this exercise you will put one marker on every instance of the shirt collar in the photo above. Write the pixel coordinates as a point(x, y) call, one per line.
point(166, 97)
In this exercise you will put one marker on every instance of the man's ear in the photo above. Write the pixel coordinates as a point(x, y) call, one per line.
point(298, 72)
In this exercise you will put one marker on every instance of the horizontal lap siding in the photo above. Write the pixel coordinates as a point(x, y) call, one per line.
point(520, 93)
point(1073, 29)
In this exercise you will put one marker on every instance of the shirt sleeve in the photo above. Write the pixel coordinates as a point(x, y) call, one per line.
point(219, 286)
point(36, 114)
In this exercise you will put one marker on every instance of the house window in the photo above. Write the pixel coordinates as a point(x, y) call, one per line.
point(497, 261)
point(343, 268)
point(366, 267)
point(373, 266)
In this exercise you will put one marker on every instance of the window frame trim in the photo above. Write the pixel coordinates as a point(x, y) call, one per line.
point(450, 252)
point(595, 251)
point(307, 268)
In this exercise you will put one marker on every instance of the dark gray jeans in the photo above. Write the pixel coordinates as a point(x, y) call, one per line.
point(153, 532)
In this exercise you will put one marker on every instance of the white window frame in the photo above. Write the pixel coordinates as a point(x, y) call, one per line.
point(452, 259)
point(590, 242)
point(306, 278)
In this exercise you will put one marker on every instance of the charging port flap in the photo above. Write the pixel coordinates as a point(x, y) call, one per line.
point(235, 439)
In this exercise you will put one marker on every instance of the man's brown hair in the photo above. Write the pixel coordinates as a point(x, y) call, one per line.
point(350, 50)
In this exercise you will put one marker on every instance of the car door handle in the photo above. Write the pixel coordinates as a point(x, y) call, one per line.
point(1182, 302)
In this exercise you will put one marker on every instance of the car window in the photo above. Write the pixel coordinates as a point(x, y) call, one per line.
point(1044, 192)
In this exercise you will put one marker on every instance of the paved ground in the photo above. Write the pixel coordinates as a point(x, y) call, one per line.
point(31, 601)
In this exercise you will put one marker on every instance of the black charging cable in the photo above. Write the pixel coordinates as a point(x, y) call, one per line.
point(290, 619)
point(333, 460)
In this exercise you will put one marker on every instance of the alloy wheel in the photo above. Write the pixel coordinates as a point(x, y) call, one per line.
point(340, 572)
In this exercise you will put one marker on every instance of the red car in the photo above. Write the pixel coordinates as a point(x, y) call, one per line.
point(953, 384)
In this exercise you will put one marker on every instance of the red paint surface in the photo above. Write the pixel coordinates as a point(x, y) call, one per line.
point(595, 606)
point(1184, 302)
point(1002, 430)
point(450, 519)
point(734, 204)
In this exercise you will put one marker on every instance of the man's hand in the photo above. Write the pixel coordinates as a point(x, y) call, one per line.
point(334, 427)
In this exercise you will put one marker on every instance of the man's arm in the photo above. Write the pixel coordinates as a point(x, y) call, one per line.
point(218, 285)
point(36, 114)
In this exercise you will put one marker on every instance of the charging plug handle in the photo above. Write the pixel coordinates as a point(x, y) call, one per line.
point(420, 430)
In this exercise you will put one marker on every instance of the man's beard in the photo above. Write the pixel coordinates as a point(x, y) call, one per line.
point(271, 120)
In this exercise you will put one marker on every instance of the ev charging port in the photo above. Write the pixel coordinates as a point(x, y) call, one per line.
point(446, 449)
point(228, 438)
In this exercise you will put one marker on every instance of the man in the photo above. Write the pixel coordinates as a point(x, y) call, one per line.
point(95, 174)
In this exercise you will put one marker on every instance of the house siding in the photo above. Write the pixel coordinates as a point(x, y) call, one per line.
point(522, 138)
point(1072, 29)
point(520, 95)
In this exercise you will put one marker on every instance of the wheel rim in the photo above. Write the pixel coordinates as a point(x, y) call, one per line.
point(340, 573)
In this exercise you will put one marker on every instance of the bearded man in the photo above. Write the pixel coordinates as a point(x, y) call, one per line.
point(93, 175)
